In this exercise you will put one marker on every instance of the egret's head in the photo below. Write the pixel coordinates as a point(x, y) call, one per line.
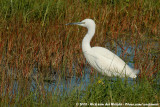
point(88, 23)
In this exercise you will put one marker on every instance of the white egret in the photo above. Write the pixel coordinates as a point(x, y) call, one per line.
point(101, 58)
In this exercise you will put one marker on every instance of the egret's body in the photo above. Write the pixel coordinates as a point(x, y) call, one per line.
point(101, 58)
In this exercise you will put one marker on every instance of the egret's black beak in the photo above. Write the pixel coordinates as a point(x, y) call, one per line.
point(77, 23)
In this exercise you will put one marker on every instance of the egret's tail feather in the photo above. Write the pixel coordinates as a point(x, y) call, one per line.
point(136, 71)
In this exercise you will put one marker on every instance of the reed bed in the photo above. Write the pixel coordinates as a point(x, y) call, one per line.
point(34, 38)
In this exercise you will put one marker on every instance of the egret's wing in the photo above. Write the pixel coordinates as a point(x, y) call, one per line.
point(107, 54)
point(105, 65)
point(107, 62)
point(116, 61)
point(115, 67)
point(109, 66)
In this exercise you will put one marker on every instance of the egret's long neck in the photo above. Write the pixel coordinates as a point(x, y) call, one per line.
point(87, 39)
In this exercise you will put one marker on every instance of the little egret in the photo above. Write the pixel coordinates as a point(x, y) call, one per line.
point(100, 58)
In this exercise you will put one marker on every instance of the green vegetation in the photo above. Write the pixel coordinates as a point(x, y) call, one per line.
point(34, 38)
point(101, 91)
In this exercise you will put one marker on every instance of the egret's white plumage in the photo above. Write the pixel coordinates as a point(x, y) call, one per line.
point(101, 58)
